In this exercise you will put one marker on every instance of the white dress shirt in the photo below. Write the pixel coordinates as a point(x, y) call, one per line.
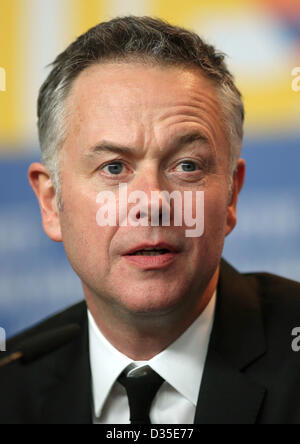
point(181, 365)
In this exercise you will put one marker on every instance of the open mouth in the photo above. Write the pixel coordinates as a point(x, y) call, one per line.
point(151, 252)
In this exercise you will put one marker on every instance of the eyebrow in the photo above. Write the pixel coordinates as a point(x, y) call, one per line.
point(178, 143)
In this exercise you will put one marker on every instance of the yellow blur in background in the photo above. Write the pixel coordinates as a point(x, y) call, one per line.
point(260, 37)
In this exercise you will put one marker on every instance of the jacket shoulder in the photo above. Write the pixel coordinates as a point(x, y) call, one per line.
point(275, 297)
point(45, 389)
point(276, 289)
point(75, 314)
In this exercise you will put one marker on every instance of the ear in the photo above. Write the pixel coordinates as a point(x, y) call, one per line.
point(238, 182)
point(41, 183)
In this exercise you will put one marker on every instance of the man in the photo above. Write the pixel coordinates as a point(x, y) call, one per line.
point(181, 337)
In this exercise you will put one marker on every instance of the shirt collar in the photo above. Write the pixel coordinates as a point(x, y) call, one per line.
point(186, 356)
point(107, 363)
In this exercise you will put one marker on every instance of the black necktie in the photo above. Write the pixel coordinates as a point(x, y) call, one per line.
point(141, 391)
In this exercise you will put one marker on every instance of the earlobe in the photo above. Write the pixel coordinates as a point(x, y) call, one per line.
point(41, 183)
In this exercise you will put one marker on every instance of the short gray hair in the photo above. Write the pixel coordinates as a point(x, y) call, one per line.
point(122, 39)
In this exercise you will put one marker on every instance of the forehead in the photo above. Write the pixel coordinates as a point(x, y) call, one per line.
point(159, 84)
point(137, 99)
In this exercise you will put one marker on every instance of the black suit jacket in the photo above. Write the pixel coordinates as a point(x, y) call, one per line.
point(251, 373)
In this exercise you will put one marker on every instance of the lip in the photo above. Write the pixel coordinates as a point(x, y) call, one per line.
point(159, 245)
point(152, 262)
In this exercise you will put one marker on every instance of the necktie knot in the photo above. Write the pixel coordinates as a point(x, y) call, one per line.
point(141, 390)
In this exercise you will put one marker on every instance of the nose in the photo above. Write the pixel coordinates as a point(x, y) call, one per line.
point(154, 203)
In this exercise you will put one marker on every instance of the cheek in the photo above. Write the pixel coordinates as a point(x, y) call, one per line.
point(207, 249)
point(215, 215)
point(207, 209)
point(85, 242)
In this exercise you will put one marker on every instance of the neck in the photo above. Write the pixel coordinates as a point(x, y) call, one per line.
point(140, 337)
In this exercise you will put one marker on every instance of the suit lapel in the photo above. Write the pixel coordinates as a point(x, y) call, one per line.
point(227, 395)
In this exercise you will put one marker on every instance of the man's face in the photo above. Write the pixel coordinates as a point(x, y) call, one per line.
point(167, 117)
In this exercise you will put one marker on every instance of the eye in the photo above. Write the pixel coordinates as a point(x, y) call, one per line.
point(189, 166)
point(114, 168)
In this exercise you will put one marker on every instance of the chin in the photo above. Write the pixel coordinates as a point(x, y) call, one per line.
point(150, 306)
